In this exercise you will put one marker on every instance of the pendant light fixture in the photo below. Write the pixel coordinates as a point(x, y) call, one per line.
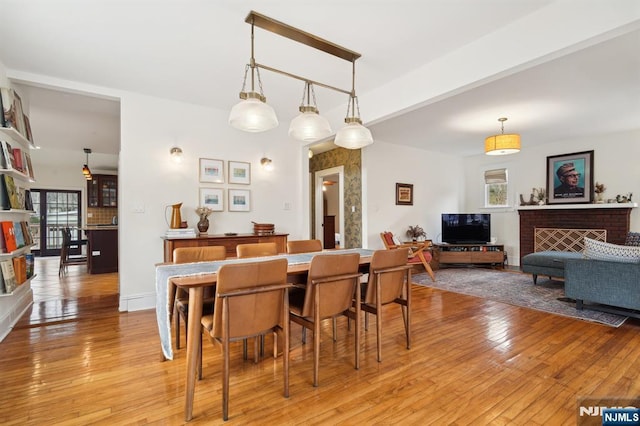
point(502, 144)
point(252, 114)
point(354, 135)
point(309, 126)
point(85, 169)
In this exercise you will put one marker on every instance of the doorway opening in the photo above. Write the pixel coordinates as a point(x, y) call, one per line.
point(329, 206)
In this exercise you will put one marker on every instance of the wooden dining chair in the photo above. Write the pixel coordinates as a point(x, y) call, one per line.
point(303, 246)
point(251, 300)
point(389, 282)
point(332, 286)
point(179, 298)
point(418, 253)
point(256, 250)
point(68, 244)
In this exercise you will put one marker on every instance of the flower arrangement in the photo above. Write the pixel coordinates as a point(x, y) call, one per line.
point(203, 212)
point(540, 195)
point(599, 188)
point(416, 231)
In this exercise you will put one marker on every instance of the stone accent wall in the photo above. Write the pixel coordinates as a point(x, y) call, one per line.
point(615, 220)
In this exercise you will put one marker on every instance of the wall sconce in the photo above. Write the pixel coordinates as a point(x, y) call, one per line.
point(266, 163)
point(176, 154)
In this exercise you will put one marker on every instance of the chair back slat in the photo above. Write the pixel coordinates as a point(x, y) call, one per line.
point(391, 283)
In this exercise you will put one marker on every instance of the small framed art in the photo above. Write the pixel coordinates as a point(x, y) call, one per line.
point(211, 170)
point(212, 198)
point(239, 200)
point(404, 194)
point(570, 178)
point(239, 172)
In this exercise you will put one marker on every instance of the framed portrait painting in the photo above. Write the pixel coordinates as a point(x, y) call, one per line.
point(570, 178)
point(404, 194)
point(211, 170)
point(239, 200)
point(212, 198)
point(239, 172)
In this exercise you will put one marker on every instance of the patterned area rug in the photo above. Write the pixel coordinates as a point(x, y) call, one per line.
point(514, 289)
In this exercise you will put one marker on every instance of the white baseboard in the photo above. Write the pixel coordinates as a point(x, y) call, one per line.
point(137, 302)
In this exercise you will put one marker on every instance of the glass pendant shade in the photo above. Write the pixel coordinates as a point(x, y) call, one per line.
point(354, 135)
point(253, 115)
point(309, 126)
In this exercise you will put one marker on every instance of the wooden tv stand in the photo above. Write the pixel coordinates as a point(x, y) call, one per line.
point(471, 254)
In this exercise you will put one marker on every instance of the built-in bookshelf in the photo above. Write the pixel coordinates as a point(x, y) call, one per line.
point(16, 260)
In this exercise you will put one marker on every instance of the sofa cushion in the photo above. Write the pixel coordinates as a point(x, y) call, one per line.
point(633, 239)
point(600, 250)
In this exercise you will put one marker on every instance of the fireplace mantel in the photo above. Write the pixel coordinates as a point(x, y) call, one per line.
point(614, 217)
point(580, 206)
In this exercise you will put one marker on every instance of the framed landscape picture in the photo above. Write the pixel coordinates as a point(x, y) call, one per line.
point(211, 170)
point(239, 172)
point(404, 194)
point(570, 178)
point(212, 198)
point(239, 200)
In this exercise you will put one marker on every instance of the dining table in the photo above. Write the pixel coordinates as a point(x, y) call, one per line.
point(194, 277)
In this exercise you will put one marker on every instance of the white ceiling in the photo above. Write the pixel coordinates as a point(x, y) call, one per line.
point(194, 51)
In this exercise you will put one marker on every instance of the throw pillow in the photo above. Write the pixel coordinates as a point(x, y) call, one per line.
point(633, 239)
point(600, 250)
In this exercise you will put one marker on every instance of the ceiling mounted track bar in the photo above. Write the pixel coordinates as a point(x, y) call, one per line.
point(284, 30)
point(288, 74)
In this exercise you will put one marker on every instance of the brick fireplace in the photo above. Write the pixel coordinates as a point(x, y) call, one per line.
point(614, 218)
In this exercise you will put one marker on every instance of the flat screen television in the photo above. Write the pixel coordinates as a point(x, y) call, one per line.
point(466, 228)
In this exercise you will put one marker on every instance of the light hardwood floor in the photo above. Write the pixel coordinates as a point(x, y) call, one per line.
point(472, 361)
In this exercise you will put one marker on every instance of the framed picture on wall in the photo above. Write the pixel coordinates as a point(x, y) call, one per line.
point(404, 194)
point(239, 200)
point(239, 172)
point(211, 170)
point(212, 198)
point(570, 178)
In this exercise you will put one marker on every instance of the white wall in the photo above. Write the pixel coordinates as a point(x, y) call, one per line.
point(438, 187)
point(615, 165)
point(150, 181)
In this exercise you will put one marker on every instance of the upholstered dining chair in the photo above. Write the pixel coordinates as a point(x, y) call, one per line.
point(251, 300)
point(256, 250)
point(417, 252)
point(332, 286)
point(244, 251)
point(389, 282)
point(179, 297)
point(303, 246)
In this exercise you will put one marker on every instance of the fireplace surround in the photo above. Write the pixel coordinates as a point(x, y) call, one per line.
point(615, 218)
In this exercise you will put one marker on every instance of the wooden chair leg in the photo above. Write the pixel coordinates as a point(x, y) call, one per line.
point(177, 326)
point(427, 267)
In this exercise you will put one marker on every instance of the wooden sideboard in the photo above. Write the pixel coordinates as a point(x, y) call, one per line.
point(229, 241)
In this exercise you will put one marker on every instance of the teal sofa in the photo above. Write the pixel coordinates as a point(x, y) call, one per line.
point(603, 285)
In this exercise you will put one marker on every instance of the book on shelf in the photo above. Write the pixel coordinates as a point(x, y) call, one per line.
point(26, 232)
point(180, 233)
point(17, 231)
point(7, 155)
point(30, 264)
point(12, 192)
point(17, 159)
point(9, 236)
point(20, 269)
point(8, 275)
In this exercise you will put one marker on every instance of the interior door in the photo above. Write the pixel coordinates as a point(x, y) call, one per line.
point(54, 209)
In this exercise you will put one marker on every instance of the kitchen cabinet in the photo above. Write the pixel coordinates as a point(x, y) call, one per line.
point(102, 191)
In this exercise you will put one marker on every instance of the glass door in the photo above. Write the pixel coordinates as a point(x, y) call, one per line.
point(54, 209)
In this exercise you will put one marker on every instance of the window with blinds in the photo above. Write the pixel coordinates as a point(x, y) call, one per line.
point(496, 188)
